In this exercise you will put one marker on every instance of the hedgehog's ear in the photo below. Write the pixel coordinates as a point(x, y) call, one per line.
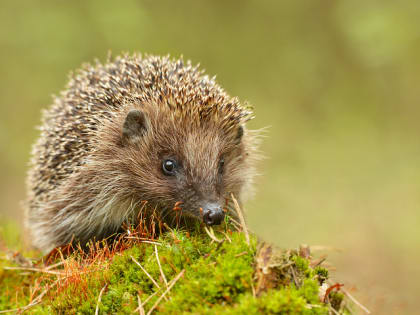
point(134, 127)
point(239, 135)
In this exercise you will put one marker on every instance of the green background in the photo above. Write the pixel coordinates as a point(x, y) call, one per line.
point(336, 81)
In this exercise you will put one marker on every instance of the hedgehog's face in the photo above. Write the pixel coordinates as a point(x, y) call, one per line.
point(191, 169)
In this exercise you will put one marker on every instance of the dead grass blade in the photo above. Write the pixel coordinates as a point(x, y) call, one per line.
point(241, 218)
point(210, 233)
point(99, 299)
point(54, 266)
point(145, 302)
point(145, 271)
point(331, 309)
point(142, 240)
point(140, 308)
point(236, 224)
point(171, 284)
point(227, 237)
point(52, 272)
point(160, 267)
point(34, 302)
point(352, 298)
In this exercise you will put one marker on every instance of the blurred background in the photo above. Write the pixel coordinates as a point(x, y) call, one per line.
point(336, 81)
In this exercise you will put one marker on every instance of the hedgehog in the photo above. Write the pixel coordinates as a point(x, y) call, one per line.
point(131, 131)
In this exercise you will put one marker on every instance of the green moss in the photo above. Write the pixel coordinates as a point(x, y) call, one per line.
point(321, 273)
point(218, 278)
point(13, 288)
point(282, 301)
point(302, 264)
point(336, 299)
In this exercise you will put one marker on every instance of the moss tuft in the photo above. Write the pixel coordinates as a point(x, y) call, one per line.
point(218, 277)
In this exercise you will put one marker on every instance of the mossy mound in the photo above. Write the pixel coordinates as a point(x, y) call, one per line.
point(196, 274)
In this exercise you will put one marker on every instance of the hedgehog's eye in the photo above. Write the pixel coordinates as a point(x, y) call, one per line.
point(221, 165)
point(169, 167)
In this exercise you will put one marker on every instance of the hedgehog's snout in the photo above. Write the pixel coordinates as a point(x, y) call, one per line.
point(213, 214)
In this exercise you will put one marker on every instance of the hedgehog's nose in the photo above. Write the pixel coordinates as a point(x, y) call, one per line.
point(213, 214)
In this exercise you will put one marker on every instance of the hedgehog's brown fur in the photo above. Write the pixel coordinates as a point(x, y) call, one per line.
point(86, 180)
